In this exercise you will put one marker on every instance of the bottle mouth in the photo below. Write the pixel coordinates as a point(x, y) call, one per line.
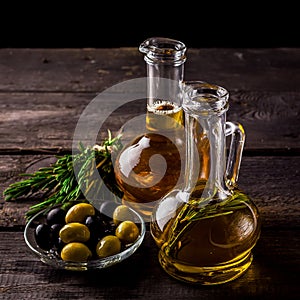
point(163, 50)
point(204, 97)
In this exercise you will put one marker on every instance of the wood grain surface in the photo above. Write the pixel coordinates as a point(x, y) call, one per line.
point(43, 93)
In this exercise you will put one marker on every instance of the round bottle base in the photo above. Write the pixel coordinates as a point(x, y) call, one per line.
point(218, 274)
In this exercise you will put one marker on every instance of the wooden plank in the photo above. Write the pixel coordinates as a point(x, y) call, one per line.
point(81, 70)
point(39, 120)
point(47, 121)
point(272, 182)
point(272, 275)
point(256, 69)
point(93, 70)
point(270, 119)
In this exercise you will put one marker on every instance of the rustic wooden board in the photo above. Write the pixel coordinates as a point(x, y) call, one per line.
point(93, 70)
point(46, 121)
point(57, 70)
point(271, 274)
point(272, 182)
point(246, 69)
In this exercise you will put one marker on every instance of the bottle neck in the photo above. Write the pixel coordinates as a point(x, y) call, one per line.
point(206, 157)
point(164, 83)
point(164, 96)
point(165, 60)
point(205, 107)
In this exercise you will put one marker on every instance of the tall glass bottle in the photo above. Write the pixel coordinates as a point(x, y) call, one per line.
point(151, 164)
point(207, 229)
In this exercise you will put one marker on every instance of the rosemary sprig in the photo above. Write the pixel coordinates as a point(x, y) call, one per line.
point(199, 209)
point(59, 183)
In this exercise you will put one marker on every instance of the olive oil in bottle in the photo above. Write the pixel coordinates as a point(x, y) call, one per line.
point(214, 247)
point(206, 230)
point(151, 164)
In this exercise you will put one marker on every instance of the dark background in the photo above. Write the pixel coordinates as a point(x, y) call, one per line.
point(127, 24)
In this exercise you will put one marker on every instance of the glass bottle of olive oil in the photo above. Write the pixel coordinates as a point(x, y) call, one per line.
point(152, 163)
point(206, 230)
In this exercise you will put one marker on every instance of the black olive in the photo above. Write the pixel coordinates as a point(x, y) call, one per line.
point(55, 228)
point(43, 236)
point(94, 222)
point(56, 216)
point(60, 244)
point(110, 229)
point(91, 244)
point(96, 225)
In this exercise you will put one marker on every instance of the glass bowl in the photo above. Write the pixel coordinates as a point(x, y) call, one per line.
point(52, 258)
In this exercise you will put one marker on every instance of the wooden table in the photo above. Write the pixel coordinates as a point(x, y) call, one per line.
point(44, 91)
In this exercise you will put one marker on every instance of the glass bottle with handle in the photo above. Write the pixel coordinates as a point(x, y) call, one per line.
point(206, 230)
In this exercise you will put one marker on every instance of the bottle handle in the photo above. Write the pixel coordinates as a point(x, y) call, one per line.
point(237, 142)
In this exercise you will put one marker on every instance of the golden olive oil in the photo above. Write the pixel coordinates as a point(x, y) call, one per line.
point(207, 245)
point(150, 166)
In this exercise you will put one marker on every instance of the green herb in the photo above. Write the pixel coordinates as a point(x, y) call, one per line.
point(199, 209)
point(59, 183)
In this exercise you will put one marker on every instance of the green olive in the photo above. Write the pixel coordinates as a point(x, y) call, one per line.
point(76, 252)
point(74, 232)
point(127, 232)
point(107, 246)
point(122, 213)
point(78, 212)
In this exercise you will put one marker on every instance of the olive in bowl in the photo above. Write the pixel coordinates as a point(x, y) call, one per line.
point(82, 244)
